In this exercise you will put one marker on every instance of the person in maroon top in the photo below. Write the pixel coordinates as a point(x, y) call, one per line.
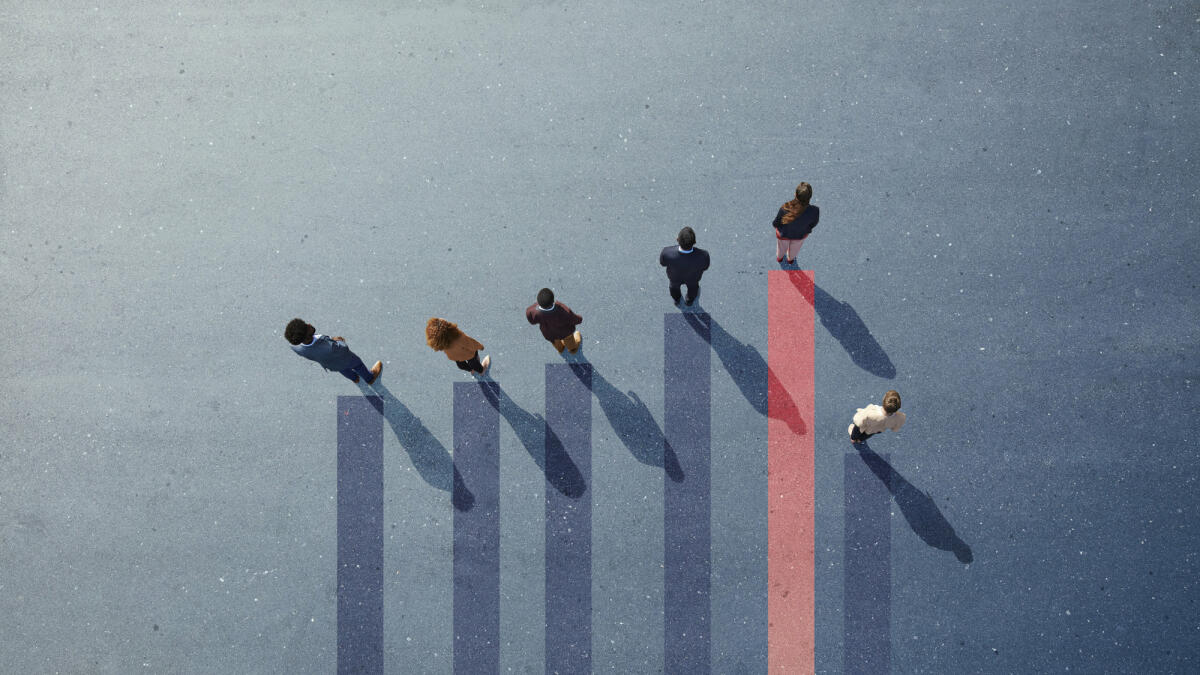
point(556, 320)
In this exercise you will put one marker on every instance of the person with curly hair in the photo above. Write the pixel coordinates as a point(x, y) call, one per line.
point(331, 352)
point(793, 223)
point(462, 349)
point(873, 419)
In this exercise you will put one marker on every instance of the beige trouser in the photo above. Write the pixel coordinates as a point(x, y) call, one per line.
point(569, 343)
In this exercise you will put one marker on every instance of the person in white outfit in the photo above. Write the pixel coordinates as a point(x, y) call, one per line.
point(873, 419)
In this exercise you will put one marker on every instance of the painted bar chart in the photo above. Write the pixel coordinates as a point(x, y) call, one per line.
point(568, 519)
point(360, 534)
point(687, 559)
point(687, 611)
point(868, 573)
point(477, 530)
point(791, 571)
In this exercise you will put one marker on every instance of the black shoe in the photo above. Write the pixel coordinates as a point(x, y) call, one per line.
point(689, 301)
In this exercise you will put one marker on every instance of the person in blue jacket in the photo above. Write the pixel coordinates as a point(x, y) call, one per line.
point(794, 222)
point(331, 352)
point(685, 265)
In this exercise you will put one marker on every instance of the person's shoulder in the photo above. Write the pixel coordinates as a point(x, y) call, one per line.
point(669, 250)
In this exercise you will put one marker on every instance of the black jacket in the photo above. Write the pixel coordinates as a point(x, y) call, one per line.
point(799, 228)
point(684, 267)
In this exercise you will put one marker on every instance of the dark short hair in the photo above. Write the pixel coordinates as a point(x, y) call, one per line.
point(891, 401)
point(546, 298)
point(297, 331)
point(686, 238)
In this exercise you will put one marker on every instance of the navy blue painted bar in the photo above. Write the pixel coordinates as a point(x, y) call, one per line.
point(477, 530)
point(359, 534)
point(868, 570)
point(568, 519)
point(686, 508)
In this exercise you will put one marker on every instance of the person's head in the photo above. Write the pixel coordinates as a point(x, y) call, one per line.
point(686, 238)
point(440, 333)
point(891, 401)
point(298, 332)
point(804, 193)
point(545, 298)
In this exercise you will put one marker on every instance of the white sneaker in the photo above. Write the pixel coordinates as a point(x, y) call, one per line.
point(486, 363)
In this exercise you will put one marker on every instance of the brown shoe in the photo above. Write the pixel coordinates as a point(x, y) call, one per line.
point(376, 370)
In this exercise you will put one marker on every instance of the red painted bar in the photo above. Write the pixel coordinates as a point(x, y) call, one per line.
point(791, 572)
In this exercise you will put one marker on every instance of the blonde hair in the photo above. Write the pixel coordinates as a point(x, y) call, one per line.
point(793, 209)
point(440, 333)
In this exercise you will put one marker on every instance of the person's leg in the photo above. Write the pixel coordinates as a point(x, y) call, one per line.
point(571, 342)
point(693, 292)
point(856, 434)
point(675, 294)
point(793, 248)
point(559, 345)
point(781, 247)
point(464, 365)
point(358, 370)
point(473, 363)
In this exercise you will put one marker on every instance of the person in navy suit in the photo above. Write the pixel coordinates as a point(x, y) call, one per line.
point(685, 265)
point(331, 352)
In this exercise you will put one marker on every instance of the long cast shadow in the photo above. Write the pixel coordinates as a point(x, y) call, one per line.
point(635, 426)
point(919, 509)
point(751, 374)
point(429, 457)
point(847, 327)
point(542, 444)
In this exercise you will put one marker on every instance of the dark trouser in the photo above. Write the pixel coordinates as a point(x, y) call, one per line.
point(471, 364)
point(693, 290)
point(358, 370)
point(858, 435)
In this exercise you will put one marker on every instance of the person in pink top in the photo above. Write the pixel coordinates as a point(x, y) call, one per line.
point(873, 419)
point(462, 349)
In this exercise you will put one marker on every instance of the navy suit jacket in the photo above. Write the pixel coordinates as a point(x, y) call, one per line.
point(684, 268)
point(330, 354)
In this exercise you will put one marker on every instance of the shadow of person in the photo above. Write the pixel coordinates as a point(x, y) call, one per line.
point(919, 509)
point(847, 327)
point(541, 443)
point(636, 427)
point(751, 374)
point(429, 457)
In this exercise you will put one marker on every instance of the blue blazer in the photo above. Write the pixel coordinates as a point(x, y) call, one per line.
point(330, 354)
point(682, 267)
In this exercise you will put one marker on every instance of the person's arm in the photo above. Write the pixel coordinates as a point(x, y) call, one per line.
point(476, 345)
point(860, 418)
point(662, 257)
point(898, 419)
point(778, 222)
point(572, 318)
point(531, 315)
point(707, 260)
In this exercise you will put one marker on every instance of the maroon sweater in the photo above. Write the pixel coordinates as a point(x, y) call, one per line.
point(556, 323)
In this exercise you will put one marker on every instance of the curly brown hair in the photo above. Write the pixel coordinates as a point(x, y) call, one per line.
point(440, 333)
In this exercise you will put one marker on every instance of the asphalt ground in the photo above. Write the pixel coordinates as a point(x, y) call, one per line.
point(1008, 238)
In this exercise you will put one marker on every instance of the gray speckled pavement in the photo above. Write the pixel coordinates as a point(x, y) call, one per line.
point(1009, 238)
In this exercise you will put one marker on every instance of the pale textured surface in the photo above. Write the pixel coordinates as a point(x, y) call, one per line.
point(1009, 208)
